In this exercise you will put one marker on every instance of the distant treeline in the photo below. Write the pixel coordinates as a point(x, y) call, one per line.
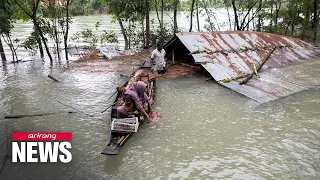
point(51, 20)
point(88, 7)
point(288, 17)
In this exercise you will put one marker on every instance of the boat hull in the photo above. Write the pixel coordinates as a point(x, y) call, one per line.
point(118, 139)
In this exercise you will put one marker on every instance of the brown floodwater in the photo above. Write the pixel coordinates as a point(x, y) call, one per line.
point(206, 132)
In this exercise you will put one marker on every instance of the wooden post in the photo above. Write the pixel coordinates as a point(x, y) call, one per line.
point(172, 56)
point(249, 76)
point(53, 78)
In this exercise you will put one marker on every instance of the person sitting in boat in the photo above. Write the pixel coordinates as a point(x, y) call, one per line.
point(139, 97)
point(128, 107)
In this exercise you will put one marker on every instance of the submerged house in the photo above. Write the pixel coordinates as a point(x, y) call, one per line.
point(261, 66)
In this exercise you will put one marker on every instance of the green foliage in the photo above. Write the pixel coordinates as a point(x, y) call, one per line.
point(90, 38)
point(30, 44)
point(79, 7)
point(97, 25)
point(128, 13)
point(209, 15)
point(289, 17)
point(156, 32)
point(108, 37)
point(134, 33)
point(7, 17)
point(86, 7)
point(5, 23)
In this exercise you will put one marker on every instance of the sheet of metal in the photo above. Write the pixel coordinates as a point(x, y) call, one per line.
point(280, 82)
point(238, 52)
point(228, 56)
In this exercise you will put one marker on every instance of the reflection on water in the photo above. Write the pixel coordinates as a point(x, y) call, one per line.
point(206, 132)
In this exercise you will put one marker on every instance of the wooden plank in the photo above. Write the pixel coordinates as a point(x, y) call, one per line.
point(258, 68)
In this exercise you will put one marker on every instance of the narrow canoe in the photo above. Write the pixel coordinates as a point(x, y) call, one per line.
point(117, 137)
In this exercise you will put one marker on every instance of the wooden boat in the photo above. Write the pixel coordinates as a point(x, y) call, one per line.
point(123, 129)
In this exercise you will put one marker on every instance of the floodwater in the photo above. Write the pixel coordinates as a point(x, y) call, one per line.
point(206, 132)
point(79, 23)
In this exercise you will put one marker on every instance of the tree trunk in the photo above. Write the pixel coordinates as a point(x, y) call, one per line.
point(147, 24)
point(38, 41)
point(126, 42)
point(55, 29)
point(40, 47)
point(3, 55)
point(271, 18)
point(236, 19)
point(315, 21)
point(34, 20)
point(8, 41)
point(229, 19)
point(295, 19)
point(287, 29)
point(162, 21)
point(175, 10)
point(142, 28)
point(57, 39)
point(129, 34)
point(245, 24)
point(43, 39)
point(198, 22)
point(156, 7)
point(259, 17)
point(15, 51)
point(277, 12)
point(191, 15)
point(65, 37)
point(211, 24)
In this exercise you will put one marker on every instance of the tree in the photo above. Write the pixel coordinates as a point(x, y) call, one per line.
point(198, 21)
point(315, 21)
point(3, 55)
point(57, 24)
point(235, 11)
point(66, 29)
point(147, 24)
point(30, 9)
point(129, 11)
point(161, 38)
point(54, 13)
point(259, 17)
point(6, 21)
point(160, 20)
point(3, 28)
point(175, 9)
point(242, 12)
point(191, 14)
point(78, 7)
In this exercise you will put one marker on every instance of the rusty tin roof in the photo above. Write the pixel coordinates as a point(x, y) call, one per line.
point(228, 56)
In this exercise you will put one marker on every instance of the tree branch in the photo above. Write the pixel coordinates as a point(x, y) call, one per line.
point(248, 12)
point(25, 11)
point(233, 2)
point(253, 16)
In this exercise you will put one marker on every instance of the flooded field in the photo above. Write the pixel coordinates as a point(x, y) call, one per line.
point(206, 132)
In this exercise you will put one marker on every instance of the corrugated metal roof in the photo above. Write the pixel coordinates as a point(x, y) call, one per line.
point(228, 56)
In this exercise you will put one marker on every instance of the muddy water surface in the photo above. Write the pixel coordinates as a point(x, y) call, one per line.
point(206, 132)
